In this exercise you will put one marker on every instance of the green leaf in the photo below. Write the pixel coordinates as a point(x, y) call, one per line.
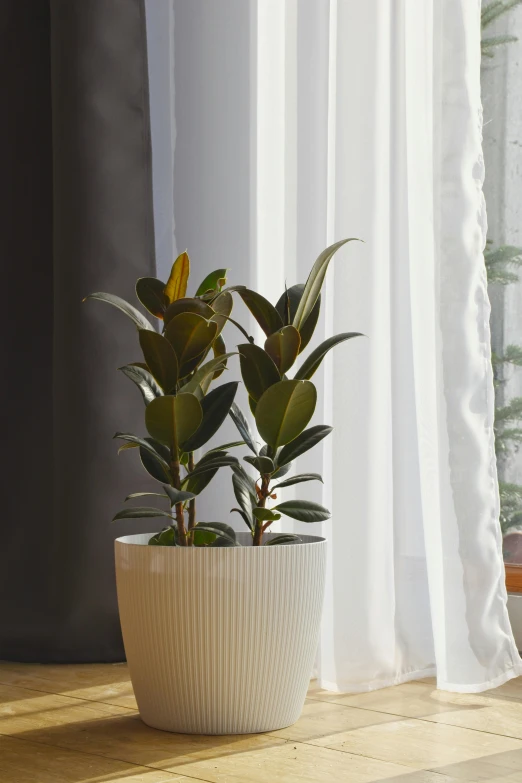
point(282, 347)
point(141, 512)
point(284, 538)
point(203, 537)
point(243, 427)
point(217, 461)
point(303, 510)
point(172, 420)
point(213, 282)
point(145, 444)
point(177, 496)
point(187, 305)
point(284, 410)
point(305, 441)
point(262, 464)
point(313, 361)
point(144, 380)
point(215, 406)
point(263, 311)
point(282, 470)
point(204, 371)
point(287, 308)
point(176, 286)
point(257, 369)
point(298, 480)
point(199, 482)
point(143, 494)
point(140, 321)
point(222, 306)
point(161, 359)
point(190, 335)
point(243, 497)
point(220, 350)
point(265, 514)
point(244, 517)
point(154, 467)
point(220, 529)
point(167, 537)
point(226, 446)
point(314, 283)
point(151, 293)
point(252, 404)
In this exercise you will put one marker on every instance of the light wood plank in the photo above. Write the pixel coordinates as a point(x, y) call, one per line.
point(104, 682)
point(29, 762)
point(421, 744)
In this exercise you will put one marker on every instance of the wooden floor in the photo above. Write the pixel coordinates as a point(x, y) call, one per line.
point(79, 724)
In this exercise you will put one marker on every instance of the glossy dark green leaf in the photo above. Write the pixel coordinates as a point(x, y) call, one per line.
point(252, 404)
point(226, 446)
point(144, 494)
point(154, 467)
point(222, 306)
point(247, 480)
point(263, 464)
point(140, 512)
point(220, 529)
point(314, 283)
point(215, 405)
point(282, 347)
point(145, 444)
point(173, 419)
point(166, 537)
point(218, 461)
point(298, 480)
point(220, 350)
point(284, 410)
point(243, 496)
point(282, 470)
point(303, 510)
point(287, 308)
point(257, 369)
point(243, 427)
point(206, 370)
point(305, 441)
point(190, 335)
point(198, 483)
point(248, 522)
point(263, 311)
point(265, 514)
point(161, 359)
point(283, 538)
point(187, 305)
point(139, 320)
point(213, 282)
point(144, 380)
point(313, 361)
point(177, 496)
point(151, 293)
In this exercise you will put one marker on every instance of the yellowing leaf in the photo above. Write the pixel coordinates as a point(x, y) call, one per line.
point(176, 286)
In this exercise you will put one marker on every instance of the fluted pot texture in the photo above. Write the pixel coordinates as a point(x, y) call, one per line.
point(220, 640)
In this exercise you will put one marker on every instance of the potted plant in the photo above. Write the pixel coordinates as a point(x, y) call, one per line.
point(220, 628)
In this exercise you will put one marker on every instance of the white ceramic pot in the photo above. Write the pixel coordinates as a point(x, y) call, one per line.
point(220, 641)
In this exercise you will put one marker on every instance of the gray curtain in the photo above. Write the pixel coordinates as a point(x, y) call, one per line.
point(76, 218)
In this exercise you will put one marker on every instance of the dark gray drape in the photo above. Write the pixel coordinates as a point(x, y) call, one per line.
point(76, 218)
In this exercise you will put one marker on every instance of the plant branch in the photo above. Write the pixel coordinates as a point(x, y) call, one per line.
point(176, 481)
point(192, 504)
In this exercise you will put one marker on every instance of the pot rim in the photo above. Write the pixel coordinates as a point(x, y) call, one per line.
point(143, 539)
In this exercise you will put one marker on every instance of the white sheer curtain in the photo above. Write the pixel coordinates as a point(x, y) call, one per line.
point(279, 127)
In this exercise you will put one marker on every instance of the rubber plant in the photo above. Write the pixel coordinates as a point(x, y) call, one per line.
point(181, 413)
point(282, 406)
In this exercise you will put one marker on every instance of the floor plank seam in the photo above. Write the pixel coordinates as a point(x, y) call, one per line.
point(66, 696)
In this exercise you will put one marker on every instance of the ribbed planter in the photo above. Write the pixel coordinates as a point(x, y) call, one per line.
point(220, 641)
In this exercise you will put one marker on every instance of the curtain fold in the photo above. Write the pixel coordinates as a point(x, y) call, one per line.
point(80, 220)
point(362, 119)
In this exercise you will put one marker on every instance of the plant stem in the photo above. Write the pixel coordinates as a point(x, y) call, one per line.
point(258, 530)
point(176, 480)
point(192, 505)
